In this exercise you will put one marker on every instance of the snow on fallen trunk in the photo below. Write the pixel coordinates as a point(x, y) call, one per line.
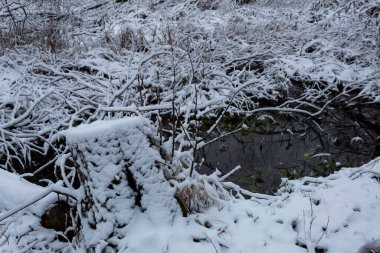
point(122, 179)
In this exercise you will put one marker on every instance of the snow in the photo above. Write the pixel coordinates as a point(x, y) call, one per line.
point(338, 213)
point(118, 163)
point(7, 79)
point(347, 208)
point(15, 190)
point(102, 128)
point(200, 57)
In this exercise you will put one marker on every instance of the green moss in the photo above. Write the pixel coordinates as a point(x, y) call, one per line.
point(245, 131)
point(257, 178)
point(252, 181)
point(287, 174)
point(207, 122)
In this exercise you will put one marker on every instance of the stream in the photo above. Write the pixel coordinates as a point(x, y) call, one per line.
point(274, 146)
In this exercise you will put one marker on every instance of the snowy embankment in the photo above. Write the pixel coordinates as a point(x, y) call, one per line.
point(338, 214)
point(127, 205)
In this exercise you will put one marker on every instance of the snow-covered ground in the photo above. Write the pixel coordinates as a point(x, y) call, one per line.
point(172, 63)
point(338, 213)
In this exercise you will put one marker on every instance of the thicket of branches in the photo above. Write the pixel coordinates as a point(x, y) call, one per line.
point(126, 57)
point(63, 64)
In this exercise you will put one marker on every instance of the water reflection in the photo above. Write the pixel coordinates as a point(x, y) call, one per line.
point(276, 146)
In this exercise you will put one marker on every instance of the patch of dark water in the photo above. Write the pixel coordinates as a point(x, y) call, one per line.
point(276, 146)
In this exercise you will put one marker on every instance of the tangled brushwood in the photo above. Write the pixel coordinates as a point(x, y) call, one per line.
point(65, 66)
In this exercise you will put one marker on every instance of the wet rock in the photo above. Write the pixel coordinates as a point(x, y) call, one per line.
point(371, 247)
point(58, 218)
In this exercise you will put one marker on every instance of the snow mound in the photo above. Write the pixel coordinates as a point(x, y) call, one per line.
point(23, 231)
point(129, 206)
point(336, 214)
point(15, 190)
point(122, 179)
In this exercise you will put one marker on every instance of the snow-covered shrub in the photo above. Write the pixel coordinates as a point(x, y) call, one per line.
point(245, 1)
point(173, 65)
point(207, 4)
point(39, 22)
point(196, 192)
point(234, 58)
point(132, 40)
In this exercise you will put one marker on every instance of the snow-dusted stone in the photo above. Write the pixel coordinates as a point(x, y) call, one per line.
point(121, 179)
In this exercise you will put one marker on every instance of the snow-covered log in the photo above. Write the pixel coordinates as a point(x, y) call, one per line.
point(122, 178)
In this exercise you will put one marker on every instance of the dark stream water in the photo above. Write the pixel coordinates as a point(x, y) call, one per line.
point(276, 146)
